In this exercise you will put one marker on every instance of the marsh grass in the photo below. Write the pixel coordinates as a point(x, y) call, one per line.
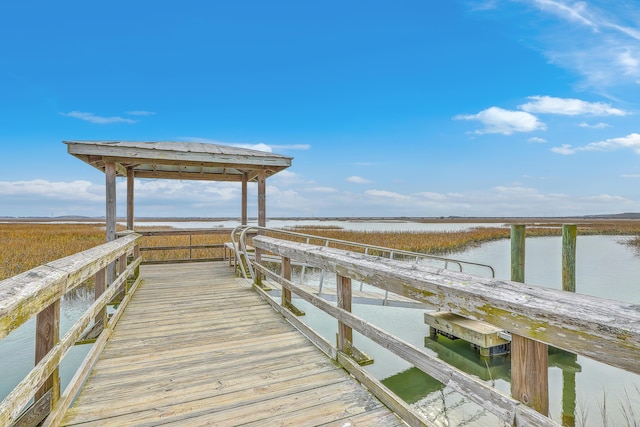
point(27, 245)
point(24, 246)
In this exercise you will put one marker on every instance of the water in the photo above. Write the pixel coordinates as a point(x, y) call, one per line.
point(353, 225)
point(605, 267)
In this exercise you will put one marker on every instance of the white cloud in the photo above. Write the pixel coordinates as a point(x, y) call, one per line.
point(323, 190)
point(565, 149)
point(576, 12)
point(631, 175)
point(601, 44)
point(386, 194)
point(430, 196)
point(594, 126)
point(92, 118)
point(357, 180)
point(141, 113)
point(568, 107)
point(506, 122)
point(631, 141)
point(537, 140)
point(74, 190)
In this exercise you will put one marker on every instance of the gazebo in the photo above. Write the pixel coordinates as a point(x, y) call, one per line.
point(177, 160)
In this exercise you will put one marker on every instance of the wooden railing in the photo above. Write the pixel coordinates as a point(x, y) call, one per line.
point(603, 330)
point(37, 292)
point(181, 245)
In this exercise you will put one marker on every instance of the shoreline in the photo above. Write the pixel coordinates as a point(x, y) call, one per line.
point(435, 220)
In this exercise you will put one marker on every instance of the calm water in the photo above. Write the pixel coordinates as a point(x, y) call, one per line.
point(347, 225)
point(605, 268)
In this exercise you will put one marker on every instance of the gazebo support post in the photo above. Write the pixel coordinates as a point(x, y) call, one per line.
point(244, 199)
point(262, 198)
point(110, 173)
point(129, 198)
point(262, 215)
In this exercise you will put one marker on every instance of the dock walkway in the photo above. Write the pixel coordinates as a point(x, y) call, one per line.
point(197, 346)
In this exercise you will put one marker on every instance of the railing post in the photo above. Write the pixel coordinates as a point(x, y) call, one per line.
point(47, 336)
point(529, 358)
point(286, 293)
point(569, 237)
point(286, 274)
point(136, 255)
point(100, 285)
point(345, 333)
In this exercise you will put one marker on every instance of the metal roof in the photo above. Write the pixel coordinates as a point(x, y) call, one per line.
point(179, 160)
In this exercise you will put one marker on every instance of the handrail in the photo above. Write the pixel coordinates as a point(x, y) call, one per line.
point(38, 291)
point(190, 247)
point(243, 229)
point(604, 330)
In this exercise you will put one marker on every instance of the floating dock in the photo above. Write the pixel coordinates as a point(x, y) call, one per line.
point(488, 339)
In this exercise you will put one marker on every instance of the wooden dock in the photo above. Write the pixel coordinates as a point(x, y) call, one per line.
point(197, 346)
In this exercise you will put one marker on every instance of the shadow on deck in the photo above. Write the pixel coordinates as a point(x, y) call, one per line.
point(197, 346)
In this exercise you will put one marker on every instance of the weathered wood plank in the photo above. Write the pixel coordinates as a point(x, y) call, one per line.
point(110, 185)
point(605, 330)
point(252, 366)
point(47, 336)
point(529, 358)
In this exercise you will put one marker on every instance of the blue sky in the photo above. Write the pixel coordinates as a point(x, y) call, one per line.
point(405, 108)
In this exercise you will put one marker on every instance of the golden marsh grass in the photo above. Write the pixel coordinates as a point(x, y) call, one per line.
point(27, 245)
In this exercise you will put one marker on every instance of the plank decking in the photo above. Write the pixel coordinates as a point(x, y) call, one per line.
point(196, 346)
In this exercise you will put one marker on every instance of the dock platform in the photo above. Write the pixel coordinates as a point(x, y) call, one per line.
point(198, 346)
point(488, 339)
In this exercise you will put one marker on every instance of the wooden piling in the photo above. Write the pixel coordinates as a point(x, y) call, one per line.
point(47, 336)
point(345, 333)
point(286, 274)
point(529, 358)
point(569, 235)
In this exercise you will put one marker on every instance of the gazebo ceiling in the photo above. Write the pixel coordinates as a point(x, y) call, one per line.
point(179, 160)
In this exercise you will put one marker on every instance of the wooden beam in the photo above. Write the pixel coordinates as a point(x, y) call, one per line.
point(262, 198)
point(529, 358)
point(345, 333)
point(120, 170)
point(244, 199)
point(47, 336)
point(155, 154)
point(130, 190)
point(110, 172)
point(192, 176)
point(286, 274)
point(569, 233)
